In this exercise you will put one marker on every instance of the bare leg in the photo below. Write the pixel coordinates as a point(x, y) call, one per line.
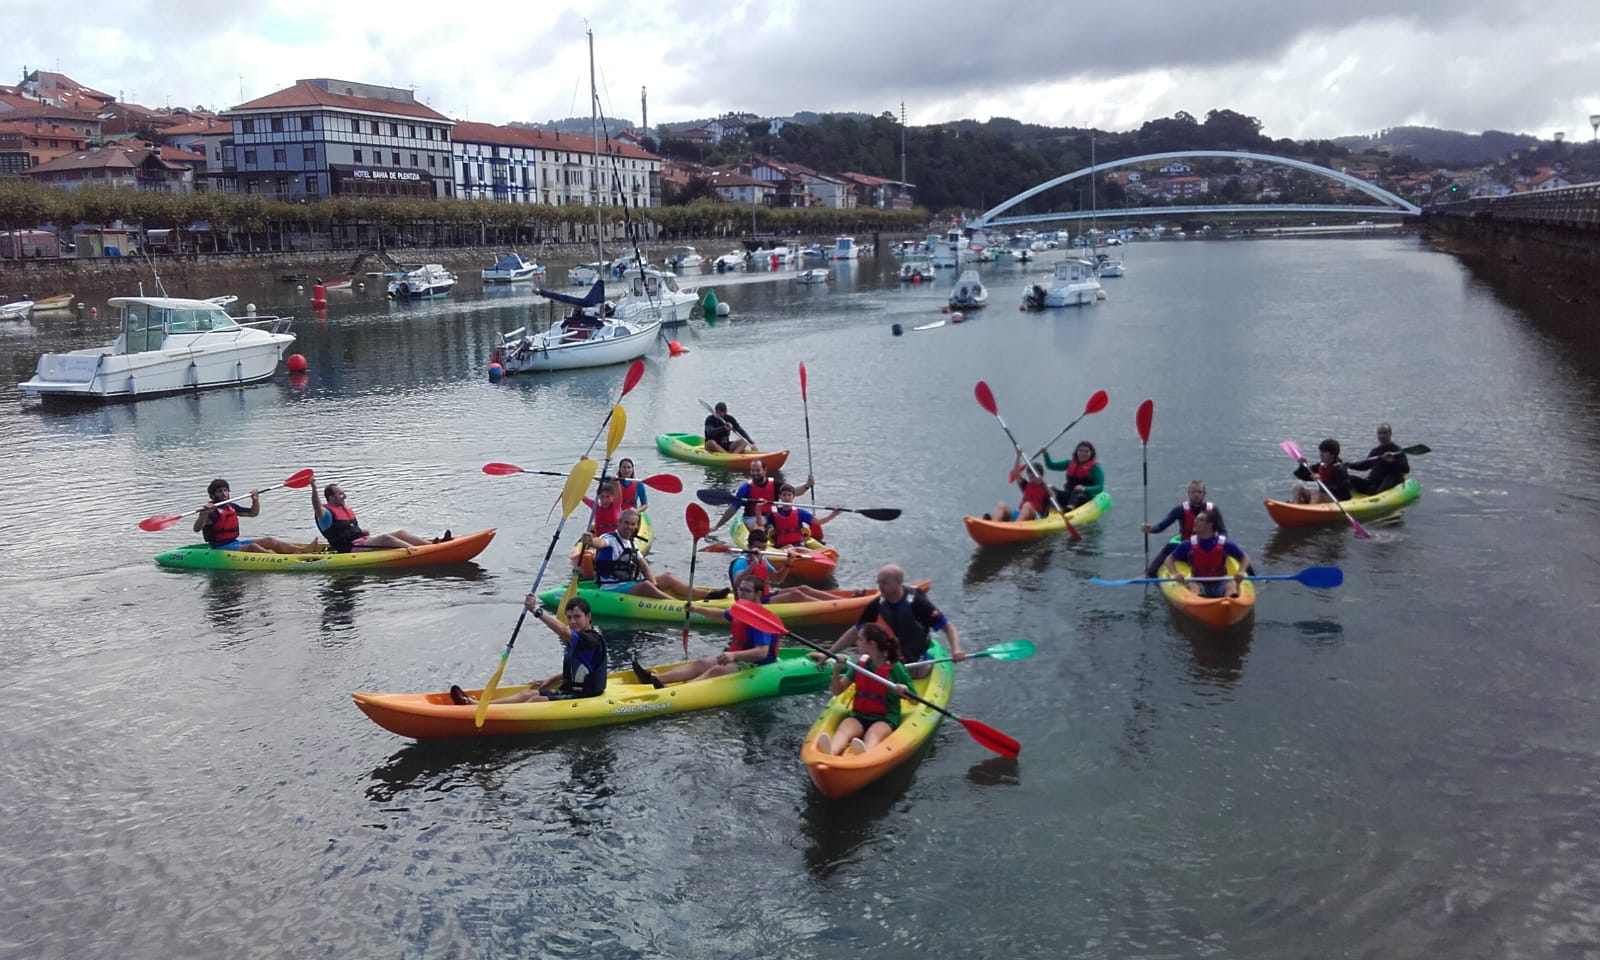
point(689, 671)
point(713, 446)
point(800, 594)
point(274, 545)
point(849, 728)
point(669, 587)
point(737, 445)
point(876, 733)
point(1299, 495)
point(390, 541)
point(1026, 512)
point(1002, 511)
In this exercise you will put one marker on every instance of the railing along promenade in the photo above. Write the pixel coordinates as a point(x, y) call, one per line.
point(1571, 207)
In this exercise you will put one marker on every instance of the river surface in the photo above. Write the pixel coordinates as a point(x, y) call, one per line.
point(1404, 766)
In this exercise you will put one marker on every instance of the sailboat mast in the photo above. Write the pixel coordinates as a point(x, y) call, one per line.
point(1094, 203)
point(594, 135)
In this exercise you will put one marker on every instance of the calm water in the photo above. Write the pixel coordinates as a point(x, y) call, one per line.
point(1397, 768)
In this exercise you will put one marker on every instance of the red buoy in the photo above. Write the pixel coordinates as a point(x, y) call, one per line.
point(675, 348)
point(297, 363)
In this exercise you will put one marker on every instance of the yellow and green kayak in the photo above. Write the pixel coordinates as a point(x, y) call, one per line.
point(692, 448)
point(1362, 508)
point(622, 606)
point(200, 556)
point(995, 532)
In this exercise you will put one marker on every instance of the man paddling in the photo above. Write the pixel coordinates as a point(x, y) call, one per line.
point(619, 567)
point(910, 615)
point(1207, 554)
point(218, 521)
point(338, 523)
point(1386, 465)
point(583, 659)
point(1183, 514)
point(719, 430)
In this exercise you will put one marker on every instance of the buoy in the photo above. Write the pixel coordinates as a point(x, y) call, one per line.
point(94, 311)
point(722, 310)
point(249, 309)
point(896, 330)
point(319, 296)
point(674, 348)
point(297, 363)
point(956, 316)
point(299, 288)
point(495, 372)
point(916, 278)
point(774, 261)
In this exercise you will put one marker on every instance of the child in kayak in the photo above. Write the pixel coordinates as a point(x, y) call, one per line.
point(1207, 552)
point(583, 661)
point(753, 566)
point(1036, 497)
point(633, 494)
point(875, 711)
point(1329, 469)
point(748, 648)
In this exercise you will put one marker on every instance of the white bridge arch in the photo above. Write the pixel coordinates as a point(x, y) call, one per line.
point(1391, 204)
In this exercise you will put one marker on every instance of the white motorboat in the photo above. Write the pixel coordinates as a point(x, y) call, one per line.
point(969, 292)
point(1108, 266)
point(778, 255)
point(223, 300)
point(814, 275)
point(685, 258)
point(1074, 283)
point(654, 293)
point(513, 268)
point(16, 310)
point(844, 248)
point(586, 338)
point(732, 260)
point(428, 280)
point(167, 345)
point(917, 267)
point(585, 274)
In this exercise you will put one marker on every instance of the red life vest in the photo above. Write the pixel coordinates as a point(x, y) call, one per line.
point(225, 528)
point(872, 698)
point(630, 493)
point(1079, 472)
point(745, 638)
point(606, 517)
point(786, 526)
point(343, 532)
point(761, 570)
point(1188, 516)
point(1037, 494)
point(761, 491)
point(1208, 562)
point(1328, 473)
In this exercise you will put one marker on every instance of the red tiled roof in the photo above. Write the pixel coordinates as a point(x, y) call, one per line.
point(31, 128)
point(468, 132)
point(196, 125)
point(32, 108)
point(306, 94)
point(60, 81)
point(172, 154)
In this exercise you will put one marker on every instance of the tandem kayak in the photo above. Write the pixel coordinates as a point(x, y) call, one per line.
point(431, 716)
point(1362, 508)
point(1218, 612)
point(200, 556)
point(692, 447)
point(642, 539)
point(623, 606)
point(814, 560)
point(994, 532)
point(849, 772)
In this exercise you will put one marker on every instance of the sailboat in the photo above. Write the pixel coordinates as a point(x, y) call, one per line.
point(1105, 265)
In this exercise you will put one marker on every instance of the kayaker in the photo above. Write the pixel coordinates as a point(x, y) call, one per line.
point(1035, 502)
point(1183, 514)
point(608, 510)
point(757, 497)
point(875, 711)
point(1207, 552)
point(1385, 466)
point(719, 430)
point(633, 492)
point(620, 568)
point(748, 648)
point(789, 525)
point(338, 523)
point(753, 564)
point(1329, 469)
point(909, 614)
point(218, 522)
point(1084, 478)
point(583, 659)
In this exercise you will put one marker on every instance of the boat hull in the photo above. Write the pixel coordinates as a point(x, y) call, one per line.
point(580, 354)
point(1362, 508)
point(1216, 612)
point(991, 533)
point(622, 606)
point(200, 556)
point(813, 560)
point(691, 447)
point(113, 377)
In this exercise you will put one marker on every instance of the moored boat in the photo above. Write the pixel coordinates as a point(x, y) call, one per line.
point(60, 301)
point(1218, 612)
point(586, 338)
point(512, 268)
point(16, 309)
point(995, 532)
point(691, 447)
point(1362, 508)
point(969, 292)
point(427, 281)
point(201, 556)
point(1074, 283)
point(624, 606)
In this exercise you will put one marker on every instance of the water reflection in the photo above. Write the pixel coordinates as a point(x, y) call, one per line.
point(836, 832)
point(338, 597)
point(225, 595)
point(995, 772)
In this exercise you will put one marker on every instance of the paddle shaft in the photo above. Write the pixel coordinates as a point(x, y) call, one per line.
point(868, 673)
point(805, 407)
point(731, 424)
point(718, 498)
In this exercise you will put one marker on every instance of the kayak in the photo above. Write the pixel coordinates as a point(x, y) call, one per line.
point(1218, 612)
point(623, 606)
point(849, 772)
point(430, 716)
point(643, 539)
point(994, 532)
point(1362, 508)
point(814, 560)
point(200, 556)
point(692, 447)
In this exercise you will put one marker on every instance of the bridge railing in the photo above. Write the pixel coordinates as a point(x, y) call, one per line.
point(1577, 206)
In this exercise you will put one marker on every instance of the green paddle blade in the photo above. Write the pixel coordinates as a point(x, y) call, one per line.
point(1010, 650)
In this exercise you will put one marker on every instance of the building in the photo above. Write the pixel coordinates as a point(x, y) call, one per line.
point(61, 91)
point(25, 144)
point(731, 185)
point(336, 137)
point(129, 164)
point(491, 162)
point(879, 193)
point(527, 165)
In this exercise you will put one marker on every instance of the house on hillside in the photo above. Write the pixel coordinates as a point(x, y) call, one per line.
point(1548, 179)
point(25, 144)
point(728, 183)
point(129, 164)
point(879, 193)
point(63, 92)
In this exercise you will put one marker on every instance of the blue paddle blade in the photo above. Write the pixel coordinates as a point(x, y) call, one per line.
point(1321, 578)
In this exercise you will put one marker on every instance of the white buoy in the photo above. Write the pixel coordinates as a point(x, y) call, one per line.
point(249, 309)
point(722, 309)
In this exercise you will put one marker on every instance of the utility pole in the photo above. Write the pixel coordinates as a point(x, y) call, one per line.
point(902, 145)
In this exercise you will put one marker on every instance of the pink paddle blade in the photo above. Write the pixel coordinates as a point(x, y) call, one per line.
point(1292, 449)
point(802, 380)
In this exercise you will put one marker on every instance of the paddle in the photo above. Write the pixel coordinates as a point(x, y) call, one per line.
point(699, 525)
point(1009, 650)
point(1293, 450)
point(618, 418)
point(571, 495)
point(734, 424)
point(297, 480)
point(805, 406)
point(986, 401)
point(760, 618)
point(631, 380)
point(721, 498)
point(664, 482)
point(1097, 402)
point(1147, 412)
point(1318, 578)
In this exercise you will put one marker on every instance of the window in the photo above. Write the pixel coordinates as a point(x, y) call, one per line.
point(394, 131)
point(413, 159)
point(430, 159)
point(280, 155)
point(413, 134)
point(311, 185)
point(308, 154)
point(358, 156)
point(394, 157)
point(480, 171)
point(277, 124)
point(249, 156)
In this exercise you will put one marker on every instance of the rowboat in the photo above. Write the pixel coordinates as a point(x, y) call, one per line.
point(201, 556)
point(849, 772)
point(814, 560)
point(995, 532)
point(60, 301)
point(623, 606)
point(692, 448)
point(642, 540)
point(1362, 508)
point(1218, 612)
point(430, 716)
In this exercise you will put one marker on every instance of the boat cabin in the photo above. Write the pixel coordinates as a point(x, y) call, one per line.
point(146, 323)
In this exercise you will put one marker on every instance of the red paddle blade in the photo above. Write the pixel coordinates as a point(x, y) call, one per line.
point(759, 617)
point(635, 374)
point(991, 738)
point(300, 479)
point(152, 524)
point(802, 380)
point(1147, 412)
point(1292, 449)
point(699, 522)
point(665, 482)
point(501, 469)
point(1096, 403)
point(986, 398)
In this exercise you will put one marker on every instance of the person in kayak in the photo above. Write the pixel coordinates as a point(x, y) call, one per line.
point(1207, 552)
point(719, 430)
point(583, 659)
point(875, 710)
point(1035, 502)
point(753, 565)
point(1329, 469)
point(608, 510)
point(789, 525)
point(218, 522)
point(1385, 466)
point(757, 497)
point(338, 523)
point(620, 568)
point(909, 615)
point(1183, 514)
point(749, 647)
point(1084, 478)
point(634, 495)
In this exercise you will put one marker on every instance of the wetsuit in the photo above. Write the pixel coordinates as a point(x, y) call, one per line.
point(909, 620)
point(1208, 558)
point(1380, 473)
point(1334, 476)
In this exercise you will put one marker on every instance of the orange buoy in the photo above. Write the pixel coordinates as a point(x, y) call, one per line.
point(674, 348)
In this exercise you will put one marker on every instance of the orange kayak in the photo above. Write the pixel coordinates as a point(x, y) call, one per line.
point(200, 556)
point(692, 447)
point(1286, 514)
point(1218, 612)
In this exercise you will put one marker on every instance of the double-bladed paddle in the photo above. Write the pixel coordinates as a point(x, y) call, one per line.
point(1142, 419)
point(664, 482)
point(1097, 402)
point(730, 422)
point(721, 498)
point(1293, 450)
point(760, 618)
point(986, 401)
point(1319, 578)
point(618, 419)
point(300, 479)
point(699, 525)
point(1009, 650)
point(629, 381)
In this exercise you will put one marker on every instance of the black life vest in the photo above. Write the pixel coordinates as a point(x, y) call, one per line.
point(583, 672)
point(224, 526)
point(622, 564)
point(343, 532)
point(901, 620)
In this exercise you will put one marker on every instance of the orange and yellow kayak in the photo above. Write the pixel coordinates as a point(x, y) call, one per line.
point(1362, 508)
point(1218, 612)
point(692, 447)
point(995, 532)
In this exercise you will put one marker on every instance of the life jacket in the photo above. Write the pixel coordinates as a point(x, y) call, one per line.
point(1038, 494)
point(872, 698)
point(583, 672)
point(1208, 561)
point(622, 566)
point(606, 517)
point(1326, 472)
point(787, 528)
point(761, 570)
point(1188, 516)
point(901, 620)
point(761, 491)
point(225, 528)
point(630, 494)
point(343, 532)
point(1079, 472)
point(745, 638)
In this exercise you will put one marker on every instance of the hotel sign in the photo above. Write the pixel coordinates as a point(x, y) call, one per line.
point(385, 175)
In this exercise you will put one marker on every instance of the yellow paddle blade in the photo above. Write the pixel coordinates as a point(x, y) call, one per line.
point(619, 424)
point(572, 591)
point(488, 693)
point(577, 485)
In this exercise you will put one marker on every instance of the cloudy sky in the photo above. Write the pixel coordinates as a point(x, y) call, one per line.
point(1305, 69)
